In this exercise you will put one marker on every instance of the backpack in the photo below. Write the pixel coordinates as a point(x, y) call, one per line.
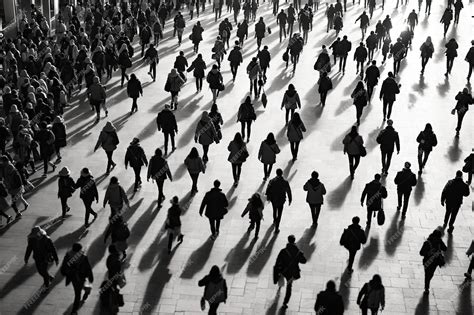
point(345, 238)
point(214, 291)
point(123, 232)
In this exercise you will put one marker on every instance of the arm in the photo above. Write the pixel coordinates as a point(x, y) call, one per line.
point(362, 292)
point(203, 205)
point(29, 249)
point(397, 143)
point(288, 191)
point(203, 282)
point(364, 193)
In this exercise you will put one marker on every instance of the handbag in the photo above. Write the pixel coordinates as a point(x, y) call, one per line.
point(264, 99)
point(381, 217)
point(285, 56)
point(221, 87)
point(363, 151)
point(203, 303)
point(121, 281)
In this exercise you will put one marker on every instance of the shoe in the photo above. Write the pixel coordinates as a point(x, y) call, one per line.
point(468, 276)
point(180, 238)
point(450, 230)
point(27, 205)
point(106, 113)
point(284, 306)
point(18, 216)
point(9, 219)
point(398, 208)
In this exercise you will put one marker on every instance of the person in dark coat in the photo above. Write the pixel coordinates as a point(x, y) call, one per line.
point(277, 190)
point(196, 36)
point(206, 133)
point(235, 59)
point(464, 99)
point(372, 296)
point(108, 140)
point(198, 66)
point(364, 23)
point(427, 50)
point(260, 30)
point(124, 62)
point(215, 202)
point(446, 19)
point(66, 188)
point(88, 192)
point(427, 140)
point(372, 75)
point(451, 53)
point(151, 56)
point(45, 138)
point(353, 146)
point(43, 251)
point(254, 208)
point(246, 115)
point(375, 192)
point(119, 232)
point(388, 139)
point(470, 60)
point(215, 286)
point(76, 268)
point(360, 97)
point(329, 302)
point(390, 88)
point(136, 158)
point(469, 167)
point(158, 170)
point(452, 195)
point(287, 265)
point(398, 51)
point(345, 47)
point(315, 196)
point(352, 238)
point(59, 130)
point(432, 252)
point(166, 123)
point(173, 223)
point(371, 43)
point(181, 63)
point(325, 84)
point(238, 154)
point(405, 181)
point(113, 264)
point(134, 90)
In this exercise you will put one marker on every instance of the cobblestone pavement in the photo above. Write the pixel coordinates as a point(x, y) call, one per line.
point(162, 284)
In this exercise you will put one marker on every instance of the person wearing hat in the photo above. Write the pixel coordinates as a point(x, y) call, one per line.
point(136, 158)
point(174, 82)
point(173, 223)
point(404, 180)
point(287, 265)
point(388, 139)
point(159, 171)
point(66, 188)
point(88, 192)
point(166, 122)
point(97, 97)
point(44, 253)
point(108, 140)
point(464, 99)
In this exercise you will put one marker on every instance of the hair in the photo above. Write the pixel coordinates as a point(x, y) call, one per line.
point(217, 183)
point(296, 119)
point(279, 172)
point(112, 249)
point(355, 220)
point(158, 152)
point(428, 127)
point(194, 153)
point(113, 180)
point(291, 239)
point(359, 86)
point(291, 87)
point(354, 131)
point(76, 247)
point(215, 272)
point(133, 76)
point(238, 138)
point(248, 100)
point(376, 282)
point(377, 176)
point(214, 108)
point(331, 286)
point(256, 200)
point(270, 139)
point(315, 175)
point(458, 173)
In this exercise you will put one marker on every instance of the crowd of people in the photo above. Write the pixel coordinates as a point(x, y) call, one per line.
point(44, 67)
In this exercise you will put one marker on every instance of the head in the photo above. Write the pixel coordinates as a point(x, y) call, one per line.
point(355, 220)
point(248, 100)
point(85, 172)
point(279, 172)
point(158, 152)
point(76, 247)
point(217, 183)
point(214, 108)
point(436, 234)
point(390, 74)
point(331, 286)
point(314, 175)
point(390, 122)
point(270, 138)
point(407, 165)
point(113, 249)
point(114, 180)
point(181, 53)
point(133, 76)
point(354, 130)
point(360, 85)
point(194, 153)
point(238, 138)
point(215, 272)
point(377, 177)
point(174, 200)
point(291, 87)
point(291, 239)
point(428, 127)
point(458, 174)
point(376, 280)
point(374, 62)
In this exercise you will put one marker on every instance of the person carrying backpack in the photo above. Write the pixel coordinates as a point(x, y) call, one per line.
point(372, 296)
point(215, 290)
point(119, 233)
point(432, 252)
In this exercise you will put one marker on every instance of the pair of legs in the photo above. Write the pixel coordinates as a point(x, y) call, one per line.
point(89, 211)
point(315, 210)
point(424, 61)
point(249, 126)
point(152, 71)
point(194, 179)
point(386, 159)
point(46, 162)
point(360, 64)
point(461, 114)
point(215, 94)
point(290, 29)
point(160, 183)
point(403, 197)
point(236, 170)
point(342, 63)
point(64, 206)
point(110, 163)
point(277, 212)
point(449, 64)
point(289, 285)
point(267, 170)
point(215, 224)
point(450, 215)
point(294, 146)
point(233, 70)
point(387, 108)
point(353, 163)
point(254, 85)
point(78, 286)
point(323, 95)
point(174, 100)
point(198, 84)
point(422, 159)
point(134, 104)
point(429, 272)
point(282, 31)
point(124, 75)
point(254, 224)
point(352, 254)
point(138, 180)
point(42, 267)
point(213, 308)
point(287, 114)
point(205, 149)
point(57, 149)
point(171, 236)
point(97, 105)
point(169, 135)
point(396, 65)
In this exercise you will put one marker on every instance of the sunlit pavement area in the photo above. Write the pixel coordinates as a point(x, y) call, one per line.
point(159, 283)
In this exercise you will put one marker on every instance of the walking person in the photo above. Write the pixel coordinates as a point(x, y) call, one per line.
point(352, 238)
point(329, 302)
point(215, 204)
point(45, 138)
point(151, 56)
point(432, 252)
point(195, 166)
point(238, 154)
point(360, 99)
point(469, 167)
point(260, 30)
point(451, 53)
point(412, 20)
point(136, 158)
point(13, 182)
point(345, 48)
point(97, 97)
point(125, 62)
point(246, 115)
point(166, 123)
point(108, 140)
point(364, 23)
point(277, 190)
point(446, 19)
point(77, 269)
point(324, 86)
point(427, 140)
point(88, 193)
point(254, 72)
point(371, 43)
point(44, 253)
point(388, 139)
point(267, 154)
point(375, 193)
point(134, 90)
point(216, 119)
point(360, 55)
point(66, 188)
point(470, 59)
point(458, 6)
point(4, 206)
point(372, 75)
point(59, 130)
point(354, 147)
point(314, 196)
point(452, 195)
point(173, 223)
point(398, 50)
point(119, 233)
point(254, 208)
point(287, 265)
point(198, 66)
point(216, 82)
point(173, 85)
point(405, 181)
point(295, 47)
point(390, 88)
point(115, 196)
point(427, 51)
point(215, 289)
point(205, 134)
point(291, 101)
point(372, 296)
point(464, 99)
point(159, 171)
point(235, 59)
point(294, 133)
point(282, 19)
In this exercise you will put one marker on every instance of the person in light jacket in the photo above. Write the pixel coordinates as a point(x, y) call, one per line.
point(315, 196)
point(194, 166)
point(267, 154)
point(294, 133)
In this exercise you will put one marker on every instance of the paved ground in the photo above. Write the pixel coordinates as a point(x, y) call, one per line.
point(162, 284)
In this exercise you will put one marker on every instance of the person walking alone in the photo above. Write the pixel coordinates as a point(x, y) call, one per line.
point(108, 140)
point(215, 289)
point(173, 85)
point(134, 90)
point(464, 99)
point(404, 180)
point(294, 133)
point(427, 51)
point(375, 193)
point(115, 196)
point(238, 154)
point(354, 147)
point(205, 134)
point(173, 223)
point(246, 115)
point(314, 196)
point(88, 192)
point(166, 123)
point(277, 190)
point(194, 166)
point(267, 154)
point(66, 188)
point(291, 101)
point(329, 302)
point(427, 140)
point(372, 296)
point(451, 53)
point(215, 202)
point(390, 88)
point(360, 97)
point(372, 75)
point(352, 238)
point(254, 209)
point(324, 86)
point(388, 139)
point(452, 195)
point(136, 158)
point(159, 171)
point(432, 252)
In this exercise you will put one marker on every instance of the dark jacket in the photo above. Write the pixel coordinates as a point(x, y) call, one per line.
point(372, 75)
point(114, 266)
point(215, 203)
point(66, 186)
point(431, 247)
point(42, 248)
point(405, 180)
point(198, 65)
point(329, 303)
point(398, 51)
point(158, 169)
point(277, 190)
point(264, 57)
point(174, 214)
point(219, 295)
point(360, 53)
point(356, 237)
point(325, 84)
point(260, 29)
point(470, 55)
point(134, 88)
point(45, 138)
point(180, 63)
point(389, 89)
point(464, 100)
point(88, 188)
point(79, 266)
point(344, 47)
point(375, 192)
point(429, 141)
point(235, 56)
point(166, 121)
point(59, 131)
point(387, 139)
point(288, 261)
point(454, 191)
point(135, 156)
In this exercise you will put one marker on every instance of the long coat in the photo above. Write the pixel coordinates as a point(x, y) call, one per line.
point(215, 202)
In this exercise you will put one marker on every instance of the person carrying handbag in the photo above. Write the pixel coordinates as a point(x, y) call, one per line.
point(432, 252)
point(215, 290)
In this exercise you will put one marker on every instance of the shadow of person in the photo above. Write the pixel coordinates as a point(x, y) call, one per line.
point(449, 252)
point(238, 255)
point(419, 190)
point(345, 287)
point(197, 260)
point(186, 202)
point(304, 243)
point(23, 274)
point(423, 306)
point(465, 298)
point(259, 259)
point(454, 152)
point(337, 145)
point(444, 88)
point(179, 172)
point(188, 135)
point(371, 138)
point(337, 196)
point(369, 253)
point(272, 310)
point(281, 138)
point(394, 234)
point(420, 86)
